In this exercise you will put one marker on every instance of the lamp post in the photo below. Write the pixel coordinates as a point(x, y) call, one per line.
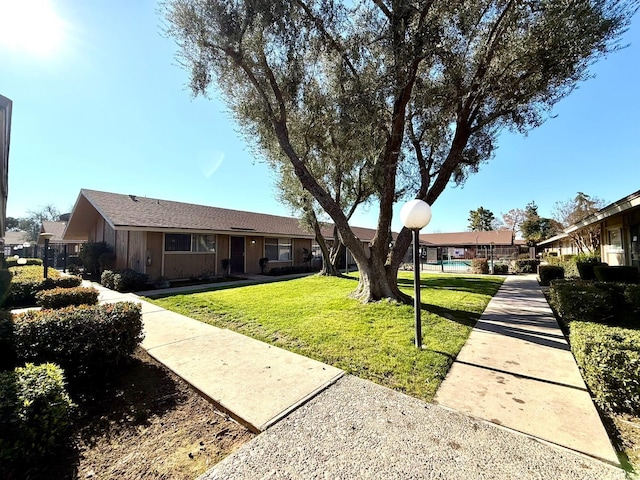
point(47, 237)
point(492, 244)
point(415, 215)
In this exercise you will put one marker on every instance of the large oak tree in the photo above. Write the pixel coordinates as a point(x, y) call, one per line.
point(426, 85)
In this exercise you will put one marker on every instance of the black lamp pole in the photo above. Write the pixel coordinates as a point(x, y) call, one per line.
point(416, 287)
point(46, 258)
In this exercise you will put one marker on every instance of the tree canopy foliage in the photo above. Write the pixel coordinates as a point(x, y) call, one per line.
point(415, 92)
point(535, 228)
point(572, 211)
point(481, 220)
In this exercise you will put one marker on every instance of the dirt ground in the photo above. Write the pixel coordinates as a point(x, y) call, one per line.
point(146, 423)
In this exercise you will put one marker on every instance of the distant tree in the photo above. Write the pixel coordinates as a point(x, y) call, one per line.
point(481, 220)
point(513, 220)
point(572, 211)
point(32, 223)
point(12, 224)
point(535, 228)
point(430, 83)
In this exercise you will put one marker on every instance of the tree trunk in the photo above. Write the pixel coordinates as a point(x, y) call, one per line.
point(378, 281)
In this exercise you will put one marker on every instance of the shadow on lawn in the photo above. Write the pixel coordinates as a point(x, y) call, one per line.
point(477, 285)
point(110, 407)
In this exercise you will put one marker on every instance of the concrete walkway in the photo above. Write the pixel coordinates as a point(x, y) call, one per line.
point(253, 382)
point(516, 370)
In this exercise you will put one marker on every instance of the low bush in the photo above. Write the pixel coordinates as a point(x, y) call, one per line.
point(90, 253)
point(550, 272)
point(13, 262)
point(289, 270)
point(73, 264)
point(585, 264)
point(33, 272)
point(609, 358)
point(501, 269)
point(5, 284)
point(125, 280)
point(82, 340)
point(579, 300)
point(529, 265)
point(24, 288)
point(35, 416)
point(632, 298)
point(616, 274)
point(479, 265)
point(66, 297)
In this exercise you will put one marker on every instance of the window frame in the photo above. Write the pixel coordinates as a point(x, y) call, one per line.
point(193, 243)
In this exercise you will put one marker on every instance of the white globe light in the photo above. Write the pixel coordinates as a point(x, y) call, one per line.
point(415, 214)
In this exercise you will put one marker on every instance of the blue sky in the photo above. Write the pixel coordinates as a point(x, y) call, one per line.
point(100, 103)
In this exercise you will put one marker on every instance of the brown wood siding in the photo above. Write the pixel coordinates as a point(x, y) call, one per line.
point(185, 265)
point(253, 253)
point(154, 253)
point(122, 248)
point(100, 230)
point(109, 236)
point(298, 252)
point(222, 247)
point(137, 251)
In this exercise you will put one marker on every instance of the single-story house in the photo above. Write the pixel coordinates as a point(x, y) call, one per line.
point(178, 240)
point(17, 243)
point(469, 245)
point(59, 249)
point(619, 225)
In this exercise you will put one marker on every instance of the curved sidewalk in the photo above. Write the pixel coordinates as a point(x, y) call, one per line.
point(516, 370)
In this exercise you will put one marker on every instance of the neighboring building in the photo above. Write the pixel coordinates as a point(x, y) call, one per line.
point(17, 243)
point(558, 245)
point(179, 240)
point(5, 137)
point(59, 249)
point(619, 225)
point(469, 245)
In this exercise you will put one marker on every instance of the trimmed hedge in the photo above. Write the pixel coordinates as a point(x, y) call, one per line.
point(580, 300)
point(7, 355)
point(66, 297)
point(609, 358)
point(632, 297)
point(24, 289)
point(5, 284)
point(13, 262)
point(500, 269)
point(529, 265)
point(550, 272)
point(479, 265)
point(33, 272)
point(125, 280)
point(616, 274)
point(82, 340)
point(35, 414)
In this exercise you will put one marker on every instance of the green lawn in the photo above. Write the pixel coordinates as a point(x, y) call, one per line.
point(313, 316)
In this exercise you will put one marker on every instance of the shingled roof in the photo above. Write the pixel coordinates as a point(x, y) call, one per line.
point(132, 212)
point(498, 237)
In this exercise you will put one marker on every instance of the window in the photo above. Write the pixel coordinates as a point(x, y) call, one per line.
point(203, 243)
point(183, 242)
point(277, 249)
point(177, 242)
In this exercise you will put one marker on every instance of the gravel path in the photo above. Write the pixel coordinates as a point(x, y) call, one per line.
point(359, 430)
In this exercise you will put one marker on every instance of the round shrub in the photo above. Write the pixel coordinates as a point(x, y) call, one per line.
point(83, 340)
point(66, 297)
point(35, 412)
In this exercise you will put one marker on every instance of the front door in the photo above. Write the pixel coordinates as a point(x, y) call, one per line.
point(237, 255)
